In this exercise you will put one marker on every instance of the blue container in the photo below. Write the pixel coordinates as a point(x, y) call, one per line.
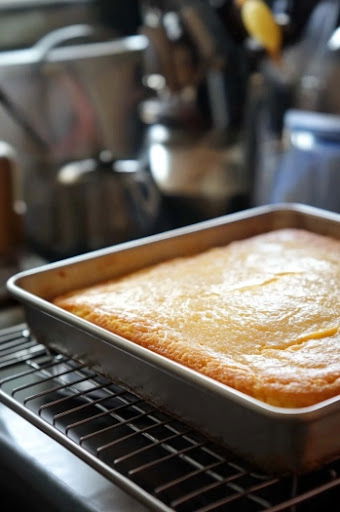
point(309, 169)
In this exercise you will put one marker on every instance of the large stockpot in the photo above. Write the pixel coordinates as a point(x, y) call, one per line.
point(79, 98)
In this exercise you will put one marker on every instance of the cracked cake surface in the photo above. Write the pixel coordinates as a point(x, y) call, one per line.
point(260, 315)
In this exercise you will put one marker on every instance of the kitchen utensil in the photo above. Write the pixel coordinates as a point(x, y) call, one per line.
point(23, 22)
point(276, 439)
point(198, 177)
point(192, 144)
point(100, 202)
point(261, 25)
point(306, 80)
point(96, 83)
point(83, 98)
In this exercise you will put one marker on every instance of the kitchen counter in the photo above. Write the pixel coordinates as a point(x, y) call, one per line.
point(45, 476)
point(38, 473)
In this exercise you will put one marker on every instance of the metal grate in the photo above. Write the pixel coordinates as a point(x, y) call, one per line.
point(157, 458)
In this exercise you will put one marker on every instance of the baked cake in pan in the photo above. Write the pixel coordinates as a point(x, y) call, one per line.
point(260, 315)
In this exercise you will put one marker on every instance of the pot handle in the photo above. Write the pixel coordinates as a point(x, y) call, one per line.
point(60, 36)
point(11, 203)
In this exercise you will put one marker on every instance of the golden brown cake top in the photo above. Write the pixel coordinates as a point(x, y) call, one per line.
point(261, 314)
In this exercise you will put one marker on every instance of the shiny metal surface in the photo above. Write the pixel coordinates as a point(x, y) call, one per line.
point(95, 82)
point(100, 203)
point(22, 22)
point(78, 99)
point(156, 457)
point(193, 144)
point(276, 439)
point(200, 178)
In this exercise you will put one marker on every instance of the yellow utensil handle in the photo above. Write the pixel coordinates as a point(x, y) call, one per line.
point(261, 25)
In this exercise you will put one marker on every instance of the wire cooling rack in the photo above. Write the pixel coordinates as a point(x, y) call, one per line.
point(161, 461)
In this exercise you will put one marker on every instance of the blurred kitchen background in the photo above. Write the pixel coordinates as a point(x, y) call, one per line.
point(120, 119)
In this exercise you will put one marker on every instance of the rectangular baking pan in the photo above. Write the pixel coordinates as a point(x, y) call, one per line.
point(273, 438)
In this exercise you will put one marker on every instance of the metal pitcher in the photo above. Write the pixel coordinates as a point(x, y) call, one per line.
point(100, 202)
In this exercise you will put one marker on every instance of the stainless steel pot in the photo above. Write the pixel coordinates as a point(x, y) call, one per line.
point(198, 177)
point(79, 99)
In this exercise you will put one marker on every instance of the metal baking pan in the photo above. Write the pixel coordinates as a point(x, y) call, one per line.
point(273, 438)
